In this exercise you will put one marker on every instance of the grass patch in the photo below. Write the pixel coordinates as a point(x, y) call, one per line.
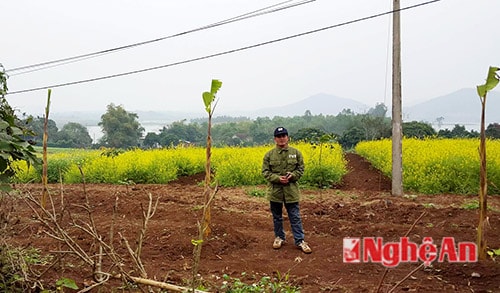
point(256, 192)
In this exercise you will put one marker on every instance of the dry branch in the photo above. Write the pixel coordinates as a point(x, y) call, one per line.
point(158, 284)
point(55, 230)
point(407, 233)
point(406, 277)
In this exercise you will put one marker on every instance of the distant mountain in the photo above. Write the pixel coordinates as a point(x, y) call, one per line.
point(318, 104)
point(462, 107)
point(83, 117)
point(145, 117)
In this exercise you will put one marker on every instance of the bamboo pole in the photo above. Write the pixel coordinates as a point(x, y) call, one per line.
point(45, 190)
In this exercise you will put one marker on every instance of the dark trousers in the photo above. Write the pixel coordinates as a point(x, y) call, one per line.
point(293, 212)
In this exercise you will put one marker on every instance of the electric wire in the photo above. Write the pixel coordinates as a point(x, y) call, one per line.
point(226, 52)
point(63, 61)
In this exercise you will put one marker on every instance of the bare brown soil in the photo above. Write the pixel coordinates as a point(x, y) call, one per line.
point(242, 234)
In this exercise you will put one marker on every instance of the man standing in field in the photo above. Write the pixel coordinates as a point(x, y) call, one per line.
point(282, 167)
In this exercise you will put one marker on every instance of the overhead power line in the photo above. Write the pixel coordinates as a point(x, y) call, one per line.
point(49, 64)
point(225, 52)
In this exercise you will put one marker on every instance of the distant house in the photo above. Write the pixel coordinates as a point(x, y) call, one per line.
point(185, 143)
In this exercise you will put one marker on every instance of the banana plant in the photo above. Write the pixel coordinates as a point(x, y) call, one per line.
point(210, 101)
point(491, 82)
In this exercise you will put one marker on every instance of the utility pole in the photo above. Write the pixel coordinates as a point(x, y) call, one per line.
point(397, 128)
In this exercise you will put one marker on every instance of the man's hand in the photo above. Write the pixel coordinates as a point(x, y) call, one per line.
point(285, 179)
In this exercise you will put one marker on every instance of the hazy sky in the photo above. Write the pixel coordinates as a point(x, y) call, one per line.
point(446, 46)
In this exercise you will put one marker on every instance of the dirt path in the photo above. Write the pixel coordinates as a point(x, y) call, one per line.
point(362, 176)
point(240, 243)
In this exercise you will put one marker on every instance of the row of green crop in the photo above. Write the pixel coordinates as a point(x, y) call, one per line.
point(232, 166)
point(438, 165)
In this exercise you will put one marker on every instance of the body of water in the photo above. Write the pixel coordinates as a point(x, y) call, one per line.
point(95, 131)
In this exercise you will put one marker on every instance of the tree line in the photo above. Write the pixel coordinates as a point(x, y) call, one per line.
point(122, 129)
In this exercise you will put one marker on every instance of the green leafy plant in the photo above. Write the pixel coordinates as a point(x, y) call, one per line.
point(13, 145)
point(471, 205)
point(15, 268)
point(323, 176)
point(65, 283)
point(55, 169)
point(257, 192)
point(210, 101)
point(265, 284)
point(112, 152)
point(493, 253)
point(204, 230)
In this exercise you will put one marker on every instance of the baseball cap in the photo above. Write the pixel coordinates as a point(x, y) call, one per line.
point(280, 131)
